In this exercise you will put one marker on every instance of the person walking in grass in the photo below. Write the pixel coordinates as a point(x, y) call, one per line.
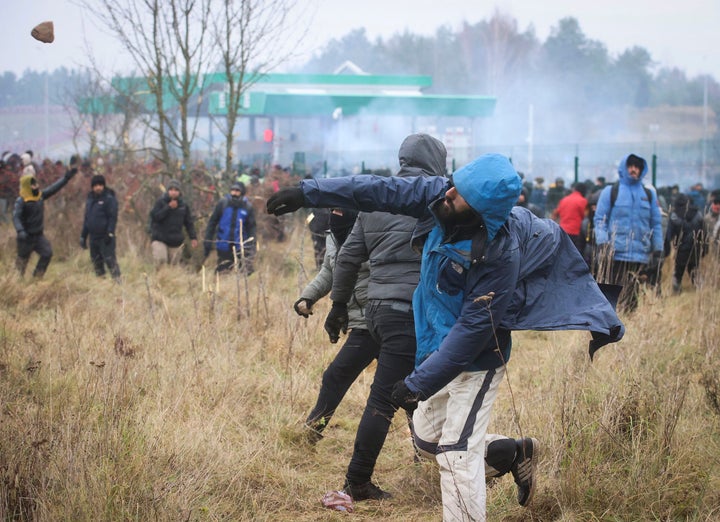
point(29, 219)
point(487, 268)
point(359, 349)
point(167, 219)
point(101, 214)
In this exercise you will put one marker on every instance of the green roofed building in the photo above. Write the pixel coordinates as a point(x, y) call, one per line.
point(342, 120)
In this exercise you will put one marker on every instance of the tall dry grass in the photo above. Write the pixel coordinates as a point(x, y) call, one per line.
point(160, 400)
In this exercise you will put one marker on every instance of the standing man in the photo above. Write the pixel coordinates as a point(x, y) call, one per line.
point(167, 219)
point(570, 213)
point(29, 219)
point(628, 231)
point(384, 241)
point(487, 268)
point(359, 349)
point(101, 213)
point(234, 221)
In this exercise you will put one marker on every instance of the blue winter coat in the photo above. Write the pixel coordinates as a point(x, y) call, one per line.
point(634, 223)
point(226, 219)
point(527, 275)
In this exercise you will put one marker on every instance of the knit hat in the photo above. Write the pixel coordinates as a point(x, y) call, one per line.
point(173, 184)
point(97, 179)
point(238, 185)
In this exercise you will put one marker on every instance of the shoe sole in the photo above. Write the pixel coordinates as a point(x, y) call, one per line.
point(536, 451)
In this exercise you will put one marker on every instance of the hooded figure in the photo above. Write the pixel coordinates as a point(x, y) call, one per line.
point(628, 231)
point(487, 268)
point(29, 219)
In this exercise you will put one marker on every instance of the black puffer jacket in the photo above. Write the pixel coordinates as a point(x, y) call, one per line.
point(166, 224)
point(101, 213)
point(685, 228)
point(29, 211)
point(384, 239)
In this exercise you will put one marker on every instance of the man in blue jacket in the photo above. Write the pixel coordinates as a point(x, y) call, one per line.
point(628, 231)
point(232, 229)
point(101, 213)
point(487, 269)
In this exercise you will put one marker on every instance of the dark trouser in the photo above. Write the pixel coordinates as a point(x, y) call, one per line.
point(102, 252)
point(355, 355)
point(686, 260)
point(627, 274)
point(226, 259)
point(393, 328)
point(34, 243)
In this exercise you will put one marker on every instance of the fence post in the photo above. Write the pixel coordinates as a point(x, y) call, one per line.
point(654, 170)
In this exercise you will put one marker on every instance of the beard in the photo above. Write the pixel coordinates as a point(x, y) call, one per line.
point(450, 217)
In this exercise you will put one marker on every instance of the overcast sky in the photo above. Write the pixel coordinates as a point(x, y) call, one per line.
point(684, 34)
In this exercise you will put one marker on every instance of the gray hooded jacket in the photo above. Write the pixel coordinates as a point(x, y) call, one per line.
point(384, 239)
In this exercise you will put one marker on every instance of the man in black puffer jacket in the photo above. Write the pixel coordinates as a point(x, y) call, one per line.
point(685, 231)
point(167, 219)
point(29, 219)
point(101, 213)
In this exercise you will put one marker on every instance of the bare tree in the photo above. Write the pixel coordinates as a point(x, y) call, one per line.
point(252, 39)
point(167, 42)
point(89, 105)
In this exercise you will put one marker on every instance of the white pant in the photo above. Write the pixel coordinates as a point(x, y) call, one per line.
point(456, 419)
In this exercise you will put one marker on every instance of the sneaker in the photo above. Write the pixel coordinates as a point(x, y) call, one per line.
point(523, 469)
point(366, 491)
point(311, 435)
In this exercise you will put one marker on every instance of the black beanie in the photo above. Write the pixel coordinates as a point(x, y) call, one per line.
point(97, 179)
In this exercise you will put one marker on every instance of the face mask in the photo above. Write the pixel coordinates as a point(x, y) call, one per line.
point(340, 226)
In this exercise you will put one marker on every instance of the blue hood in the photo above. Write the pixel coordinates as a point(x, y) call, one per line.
point(491, 186)
point(623, 172)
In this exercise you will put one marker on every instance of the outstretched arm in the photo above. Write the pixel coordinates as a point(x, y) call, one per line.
point(399, 195)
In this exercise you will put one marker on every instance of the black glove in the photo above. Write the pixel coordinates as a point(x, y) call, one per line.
point(403, 398)
point(207, 247)
point(83, 242)
point(337, 320)
point(109, 238)
point(285, 200)
point(303, 307)
point(22, 235)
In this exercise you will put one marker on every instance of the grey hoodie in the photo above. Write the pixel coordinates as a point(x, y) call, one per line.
point(384, 239)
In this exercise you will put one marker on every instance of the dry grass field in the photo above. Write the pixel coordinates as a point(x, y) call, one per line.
point(161, 400)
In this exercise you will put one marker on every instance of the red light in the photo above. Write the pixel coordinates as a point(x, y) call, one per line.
point(268, 135)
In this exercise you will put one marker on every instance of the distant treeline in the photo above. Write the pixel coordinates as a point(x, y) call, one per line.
point(568, 79)
point(566, 73)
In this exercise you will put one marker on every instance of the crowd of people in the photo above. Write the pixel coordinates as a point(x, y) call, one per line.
point(428, 274)
point(232, 229)
point(626, 230)
point(470, 266)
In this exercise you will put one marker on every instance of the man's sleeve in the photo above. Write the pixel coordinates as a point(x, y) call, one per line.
point(409, 196)
point(352, 254)
point(602, 215)
point(656, 223)
point(190, 222)
point(112, 215)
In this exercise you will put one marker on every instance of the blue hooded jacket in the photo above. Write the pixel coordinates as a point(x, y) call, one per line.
point(526, 274)
point(633, 223)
